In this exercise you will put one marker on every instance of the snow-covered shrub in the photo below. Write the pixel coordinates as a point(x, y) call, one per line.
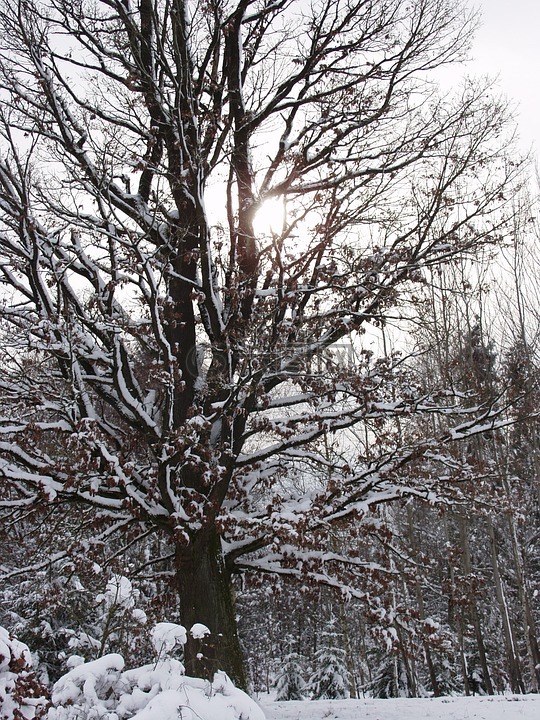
point(86, 616)
point(330, 679)
point(102, 689)
point(76, 610)
point(89, 690)
point(45, 610)
point(289, 683)
point(118, 623)
point(22, 696)
point(123, 621)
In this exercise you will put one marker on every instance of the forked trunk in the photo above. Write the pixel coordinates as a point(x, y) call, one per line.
point(206, 597)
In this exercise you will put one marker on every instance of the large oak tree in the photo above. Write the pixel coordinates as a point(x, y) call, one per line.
point(168, 359)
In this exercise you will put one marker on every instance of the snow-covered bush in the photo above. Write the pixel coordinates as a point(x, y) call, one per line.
point(102, 689)
point(47, 609)
point(118, 624)
point(22, 696)
point(289, 683)
point(89, 690)
point(74, 610)
point(330, 679)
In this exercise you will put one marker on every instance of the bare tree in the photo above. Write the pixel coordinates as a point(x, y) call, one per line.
point(166, 364)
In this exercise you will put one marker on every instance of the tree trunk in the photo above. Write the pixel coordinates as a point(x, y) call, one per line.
point(349, 656)
point(421, 607)
point(473, 608)
point(531, 637)
point(456, 619)
point(206, 597)
point(463, 657)
point(529, 623)
point(514, 670)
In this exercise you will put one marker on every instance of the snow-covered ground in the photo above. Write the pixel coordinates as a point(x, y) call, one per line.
point(500, 707)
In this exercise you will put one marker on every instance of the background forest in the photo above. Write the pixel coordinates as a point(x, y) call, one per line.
point(269, 345)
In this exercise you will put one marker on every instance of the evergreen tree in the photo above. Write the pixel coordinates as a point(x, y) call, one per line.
point(289, 683)
point(330, 679)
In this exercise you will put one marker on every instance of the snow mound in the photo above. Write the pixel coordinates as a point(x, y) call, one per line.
point(194, 699)
point(166, 637)
point(103, 690)
point(87, 685)
point(199, 631)
point(99, 690)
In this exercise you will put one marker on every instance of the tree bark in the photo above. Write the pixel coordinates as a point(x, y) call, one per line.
point(514, 670)
point(206, 597)
point(421, 607)
point(349, 657)
point(529, 624)
point(473, 608)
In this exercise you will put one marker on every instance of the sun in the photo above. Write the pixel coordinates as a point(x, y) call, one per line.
point(270, 217)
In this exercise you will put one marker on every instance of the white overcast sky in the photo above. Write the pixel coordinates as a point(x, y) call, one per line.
point(508, 46)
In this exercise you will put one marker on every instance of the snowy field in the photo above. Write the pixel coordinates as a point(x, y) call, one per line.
point(508, 707)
